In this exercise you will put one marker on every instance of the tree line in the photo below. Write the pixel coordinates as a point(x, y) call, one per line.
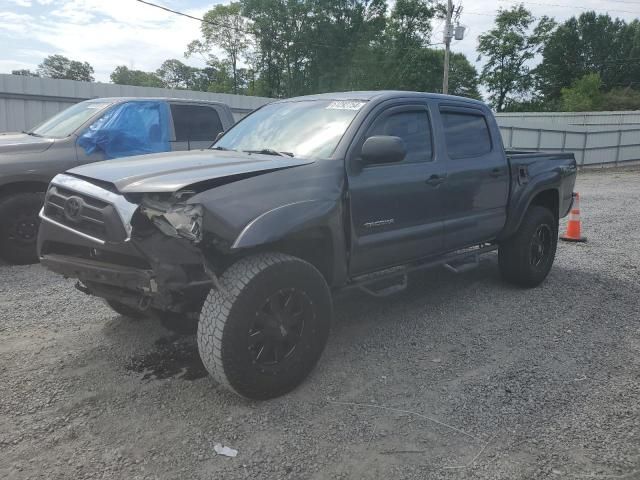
point(589, 62)
point(284, 48)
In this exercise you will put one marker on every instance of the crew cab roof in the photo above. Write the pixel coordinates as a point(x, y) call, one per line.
point(381, 95)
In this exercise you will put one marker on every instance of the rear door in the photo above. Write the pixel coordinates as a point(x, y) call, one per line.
point(195, 126)
point(395, 208)
point(476, 192)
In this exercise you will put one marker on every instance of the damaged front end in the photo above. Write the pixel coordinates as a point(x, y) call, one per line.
point(142, 251)
point(173, 216)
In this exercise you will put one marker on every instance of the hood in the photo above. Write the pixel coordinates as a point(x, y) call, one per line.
point(16, 142)
point(169, 172)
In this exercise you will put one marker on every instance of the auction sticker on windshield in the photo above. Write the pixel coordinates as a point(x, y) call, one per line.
point(345, 105)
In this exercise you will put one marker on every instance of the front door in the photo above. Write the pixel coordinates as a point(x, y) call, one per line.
point(395, 208)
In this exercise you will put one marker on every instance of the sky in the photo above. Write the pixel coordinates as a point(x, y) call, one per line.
point(108, 33)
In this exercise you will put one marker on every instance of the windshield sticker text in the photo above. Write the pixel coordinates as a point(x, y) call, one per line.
point(345, 105)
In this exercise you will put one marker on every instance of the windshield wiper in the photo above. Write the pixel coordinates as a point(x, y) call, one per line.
point(31, 133)
point(224, 149)
point(270, 151)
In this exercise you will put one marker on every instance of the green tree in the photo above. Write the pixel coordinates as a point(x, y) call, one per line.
point(590, 43)
point(175, 74)
point(509, 47)
point(59, 66)
point(584, 95)
point(298, 47)
point(226, 28)
point(122, 75)
point(24, 73)
point(621, 99)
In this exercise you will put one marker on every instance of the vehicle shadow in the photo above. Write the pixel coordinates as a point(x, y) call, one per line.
point(436, 301)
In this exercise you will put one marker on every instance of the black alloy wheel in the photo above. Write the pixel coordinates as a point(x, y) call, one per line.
point(278, 326)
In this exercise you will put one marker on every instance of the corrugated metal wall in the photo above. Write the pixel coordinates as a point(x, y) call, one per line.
point(596, 138)
point(568, 119)
point(27, 101)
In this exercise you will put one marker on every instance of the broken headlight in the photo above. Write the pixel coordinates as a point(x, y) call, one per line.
point(173, 216)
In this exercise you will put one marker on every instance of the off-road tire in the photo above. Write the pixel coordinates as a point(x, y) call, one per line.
point(227, 316)
point(20, 248)
point(126, 310)
point(515, 254)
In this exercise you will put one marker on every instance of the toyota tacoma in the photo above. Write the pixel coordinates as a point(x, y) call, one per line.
point(303, 198)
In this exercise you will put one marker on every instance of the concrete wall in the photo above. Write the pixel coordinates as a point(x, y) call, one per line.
point(27, 101)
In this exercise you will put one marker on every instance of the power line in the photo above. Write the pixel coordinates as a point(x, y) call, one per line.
point(624, 1)
point(479, 13)
point(569, 6)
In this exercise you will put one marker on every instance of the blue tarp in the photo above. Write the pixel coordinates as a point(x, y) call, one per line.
point(131, 128)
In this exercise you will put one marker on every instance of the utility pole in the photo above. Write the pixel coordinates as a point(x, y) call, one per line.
point(448, 34)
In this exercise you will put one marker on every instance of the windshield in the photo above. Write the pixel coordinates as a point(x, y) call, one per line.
point(309, 128)
point(66, 122)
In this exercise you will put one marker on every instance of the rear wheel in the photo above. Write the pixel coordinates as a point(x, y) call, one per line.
point(19, 224)
point(526, 258)
point(263, 333)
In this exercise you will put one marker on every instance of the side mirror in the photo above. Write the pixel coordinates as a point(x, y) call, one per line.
point(219, 136)
point(383, 149)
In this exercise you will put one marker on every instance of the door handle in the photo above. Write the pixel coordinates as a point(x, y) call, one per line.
point(496, 172)
point(435, 180)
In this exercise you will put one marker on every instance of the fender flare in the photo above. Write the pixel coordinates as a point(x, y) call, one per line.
point(284, 220)
point(542, 183)
point(299, 217)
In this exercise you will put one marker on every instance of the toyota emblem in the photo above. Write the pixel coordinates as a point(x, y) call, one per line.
point(73, 208)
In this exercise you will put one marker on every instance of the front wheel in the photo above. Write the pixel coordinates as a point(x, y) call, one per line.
point(526, 258)
point(19, 227)
point(263, 332)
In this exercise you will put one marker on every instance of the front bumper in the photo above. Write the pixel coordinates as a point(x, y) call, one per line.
point(91, 271)
point(150, 270)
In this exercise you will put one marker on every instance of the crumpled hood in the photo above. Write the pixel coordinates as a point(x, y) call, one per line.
point(16, 142)
point(169, 172)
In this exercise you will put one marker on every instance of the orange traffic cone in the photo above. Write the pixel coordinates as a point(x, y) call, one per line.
point(573, 225)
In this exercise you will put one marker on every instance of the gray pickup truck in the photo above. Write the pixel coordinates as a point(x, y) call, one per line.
point(91, 131)
point(303, 198)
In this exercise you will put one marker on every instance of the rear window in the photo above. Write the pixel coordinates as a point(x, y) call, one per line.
point(195, 123)
point(466, 134)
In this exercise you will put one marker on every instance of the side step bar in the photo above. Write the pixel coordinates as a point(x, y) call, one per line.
point(456, 262)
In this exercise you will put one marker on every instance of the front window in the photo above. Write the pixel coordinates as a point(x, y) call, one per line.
point(307, 129)
point(68, 121)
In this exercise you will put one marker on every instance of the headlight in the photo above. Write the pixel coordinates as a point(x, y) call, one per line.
point(174, 218)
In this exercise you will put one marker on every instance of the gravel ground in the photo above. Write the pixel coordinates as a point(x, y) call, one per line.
point(460, 377)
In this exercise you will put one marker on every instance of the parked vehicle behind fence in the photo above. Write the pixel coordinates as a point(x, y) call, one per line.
point(303, 198)
point(91, 131)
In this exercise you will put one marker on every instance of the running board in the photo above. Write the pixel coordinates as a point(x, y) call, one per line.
point(456, 262)
point(464, 264)
point(387, 291)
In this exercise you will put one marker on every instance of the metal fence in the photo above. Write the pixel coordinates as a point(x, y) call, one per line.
point(604, 147)
point(27, 101)
point(562, 120)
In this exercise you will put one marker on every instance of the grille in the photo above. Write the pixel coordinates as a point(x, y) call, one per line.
point(78, 211)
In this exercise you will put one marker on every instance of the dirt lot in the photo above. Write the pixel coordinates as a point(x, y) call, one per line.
point(460, 377)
